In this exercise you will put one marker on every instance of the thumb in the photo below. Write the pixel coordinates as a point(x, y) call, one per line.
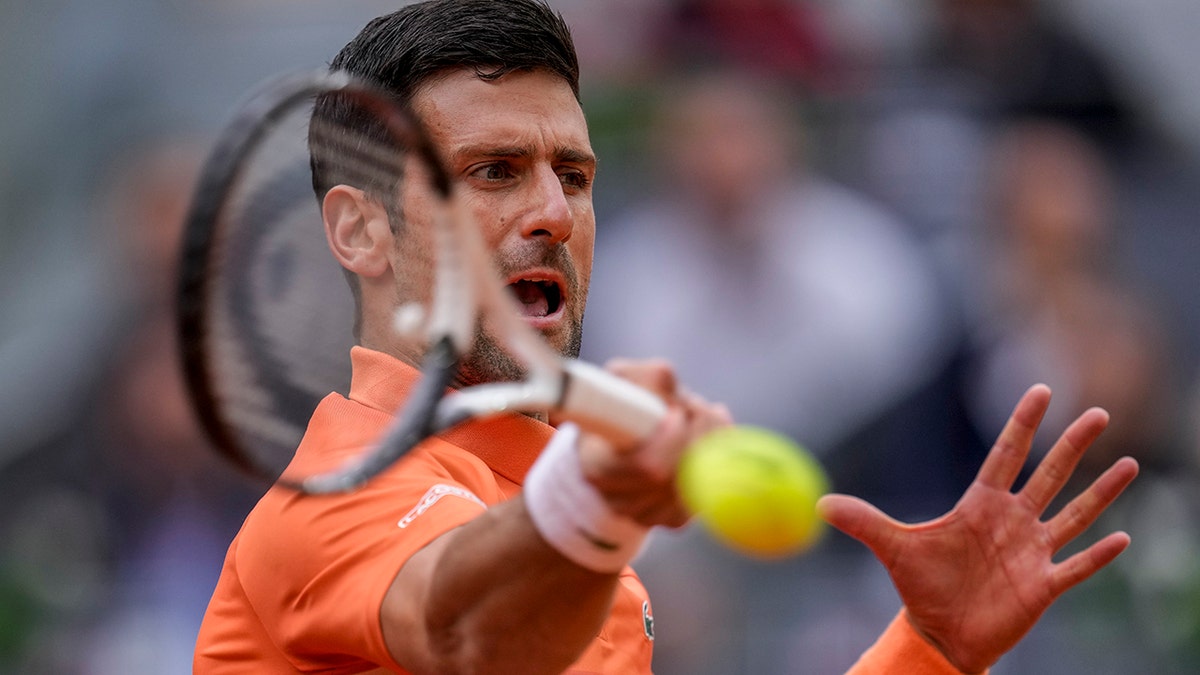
point(858, 519)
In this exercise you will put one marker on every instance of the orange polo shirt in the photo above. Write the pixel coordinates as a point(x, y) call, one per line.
point(304, 579)
point(902, 651)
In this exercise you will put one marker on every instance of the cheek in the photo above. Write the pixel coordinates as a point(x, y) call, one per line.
point(582, 248)
point(491, 218)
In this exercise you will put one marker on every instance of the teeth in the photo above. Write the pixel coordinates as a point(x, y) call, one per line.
point(538, 297)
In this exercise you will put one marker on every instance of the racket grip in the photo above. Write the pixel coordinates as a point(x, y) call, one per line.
point(602, 403)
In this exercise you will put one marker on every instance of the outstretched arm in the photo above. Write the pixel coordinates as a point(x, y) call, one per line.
point(977, 579)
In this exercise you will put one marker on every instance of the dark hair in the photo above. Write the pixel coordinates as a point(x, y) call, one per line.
point(401, 51)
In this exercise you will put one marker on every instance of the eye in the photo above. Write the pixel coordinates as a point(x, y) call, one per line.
point(496, 171)
point(575, 179)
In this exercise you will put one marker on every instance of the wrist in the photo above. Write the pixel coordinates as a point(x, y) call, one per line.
point(937, 645)
point(570, 513)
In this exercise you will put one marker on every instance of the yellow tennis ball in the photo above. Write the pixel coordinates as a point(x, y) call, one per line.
point(754, 490)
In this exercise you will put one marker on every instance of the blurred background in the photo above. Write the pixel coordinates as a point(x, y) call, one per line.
point(870, 224)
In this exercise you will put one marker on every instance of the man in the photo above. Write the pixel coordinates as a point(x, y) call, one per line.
point(463, 558)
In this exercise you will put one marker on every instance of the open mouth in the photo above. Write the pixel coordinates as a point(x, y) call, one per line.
point(537, 298)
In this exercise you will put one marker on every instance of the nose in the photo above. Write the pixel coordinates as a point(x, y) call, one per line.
point(549, 214)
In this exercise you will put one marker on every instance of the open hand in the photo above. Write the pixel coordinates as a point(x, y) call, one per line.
point(977, 579)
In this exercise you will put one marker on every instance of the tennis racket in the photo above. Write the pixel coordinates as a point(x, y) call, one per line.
point(266, 320)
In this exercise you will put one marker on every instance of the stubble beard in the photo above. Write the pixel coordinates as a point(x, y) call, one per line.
point(488, 361)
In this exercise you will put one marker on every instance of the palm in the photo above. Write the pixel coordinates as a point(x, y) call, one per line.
point(975, 580)
point(988, 552)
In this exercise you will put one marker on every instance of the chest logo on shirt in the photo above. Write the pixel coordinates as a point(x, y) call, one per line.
point(647, 620)
point(431, 497)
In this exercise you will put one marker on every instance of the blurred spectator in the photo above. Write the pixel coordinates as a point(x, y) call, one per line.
point(975, 66)
point(1021, 63)
point(779, 38)
point(121, 524)
point(1056, 309)
point(800, 304)
point(175, 505)
point(792, 298)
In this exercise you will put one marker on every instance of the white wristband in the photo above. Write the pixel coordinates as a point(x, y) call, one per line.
point(570, 513)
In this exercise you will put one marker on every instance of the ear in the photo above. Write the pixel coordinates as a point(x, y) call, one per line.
point(358, 231)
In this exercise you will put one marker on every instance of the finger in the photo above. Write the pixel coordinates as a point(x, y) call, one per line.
point(703, 416)
point(1084, 564)
point(655, 375)
point(649, 464)
point(862, 521)
point(1007, 456)
point(1082, 511)
point(659, 508)
point(1056, 469)
point(659, 457)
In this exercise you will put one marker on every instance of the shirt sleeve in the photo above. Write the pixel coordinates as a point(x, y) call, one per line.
point(318, 568)
point(901, 650)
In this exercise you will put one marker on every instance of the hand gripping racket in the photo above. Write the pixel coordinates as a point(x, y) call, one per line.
point(266, 321)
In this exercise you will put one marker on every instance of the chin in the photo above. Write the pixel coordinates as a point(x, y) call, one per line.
point(490, 362)
point(570, 343)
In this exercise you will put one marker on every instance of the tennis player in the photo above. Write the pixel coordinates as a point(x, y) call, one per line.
point(504, 546)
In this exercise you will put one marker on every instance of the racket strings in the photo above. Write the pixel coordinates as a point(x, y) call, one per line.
point(280, 313)
point(356, 158)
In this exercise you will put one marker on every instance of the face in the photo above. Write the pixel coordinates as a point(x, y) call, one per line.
point(726, 144)
point(518, 148)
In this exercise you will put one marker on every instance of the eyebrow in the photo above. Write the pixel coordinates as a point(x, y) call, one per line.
point(561, 153)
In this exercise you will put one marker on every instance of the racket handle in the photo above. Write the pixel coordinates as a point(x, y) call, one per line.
point(603, 403)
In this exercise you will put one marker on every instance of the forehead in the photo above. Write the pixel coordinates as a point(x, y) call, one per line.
point(459, 108)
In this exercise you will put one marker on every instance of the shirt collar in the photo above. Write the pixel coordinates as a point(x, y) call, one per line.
point(507, 443)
